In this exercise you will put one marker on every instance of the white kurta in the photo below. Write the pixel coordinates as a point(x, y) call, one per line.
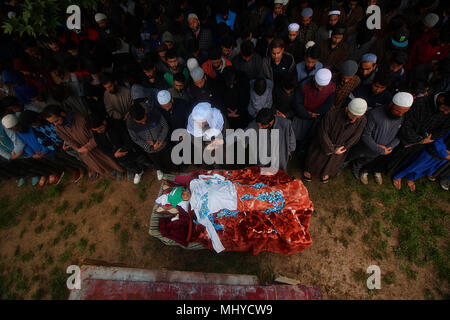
point(209, 195)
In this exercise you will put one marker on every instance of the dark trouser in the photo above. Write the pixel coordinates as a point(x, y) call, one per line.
point(133, 162)
point(161, 160)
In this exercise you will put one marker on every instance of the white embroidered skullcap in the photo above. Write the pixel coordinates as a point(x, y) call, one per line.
point(192, 63)
point(9, 121)
point(164, 97)
point(293, 27)
point(192, 16)
point(323, 77)
point(430, 20)
point(332, 12)
point(403, 99)
point(100, 16)
point(310, 44)
point(197, 74)
point(357, 107)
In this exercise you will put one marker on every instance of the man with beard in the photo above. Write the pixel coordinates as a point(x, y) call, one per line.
point(151, 78)
point(266, 119)
point(308, 68)
point(380, 135)
point(175, 111)
point(203, 35)
point(117, 99)
point(428, 121)
point(375, 94)
point(308, 29)
point(334, 51)
point(347, 81)
point(368, 68)
point(324, 32)
point(338, 131)
point(294, 45)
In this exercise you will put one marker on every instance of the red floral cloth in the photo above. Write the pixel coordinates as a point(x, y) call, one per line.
point(253, 229)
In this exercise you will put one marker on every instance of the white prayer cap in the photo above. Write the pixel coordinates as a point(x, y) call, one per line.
point(100, 16)
point(192, 63)
point(403, 99)
point(332, 12)
point(9, 121)
point(357, 107)
point(201, 111)
point(164, 97)
point(197, 74)
point(307, 12)
point(430, 20)
point(282, 2)
point(293, 27)
point(192, 16)
point(310, 44)
point(323, 77)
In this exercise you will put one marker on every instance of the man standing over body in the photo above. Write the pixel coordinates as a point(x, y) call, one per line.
point(266, 119)
point(338, 131)
point(380, 135)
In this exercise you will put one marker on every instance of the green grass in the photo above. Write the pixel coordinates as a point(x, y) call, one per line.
point(27, 256)
point(65, 257)
point(82, 244)
point(359, 276)
point(39, 294)
point(389, 278)
point(91, 248)
point(103, 185)
point(116, 227)
point(58, 288)
point(124, 238)
point(78, 207)
point(115, 210)
point(39, 229)
point(62, 207)
point(32, 216)
point(68, 231)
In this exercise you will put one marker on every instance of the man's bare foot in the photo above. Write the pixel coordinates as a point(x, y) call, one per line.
point(397, 183)
point(411, 185)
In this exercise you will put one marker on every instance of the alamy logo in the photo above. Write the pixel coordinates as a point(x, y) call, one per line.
point(374, 19)
point(374, 281)
point(74, 20)
point(74, 281)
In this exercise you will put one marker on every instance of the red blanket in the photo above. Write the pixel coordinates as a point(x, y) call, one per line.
point(254, 229)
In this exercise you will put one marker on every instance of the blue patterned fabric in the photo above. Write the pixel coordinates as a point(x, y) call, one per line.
point(275, 198)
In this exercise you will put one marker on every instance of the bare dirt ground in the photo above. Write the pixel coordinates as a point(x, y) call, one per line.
point(108, 220)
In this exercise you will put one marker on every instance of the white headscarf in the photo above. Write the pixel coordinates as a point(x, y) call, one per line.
point(204, 112)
